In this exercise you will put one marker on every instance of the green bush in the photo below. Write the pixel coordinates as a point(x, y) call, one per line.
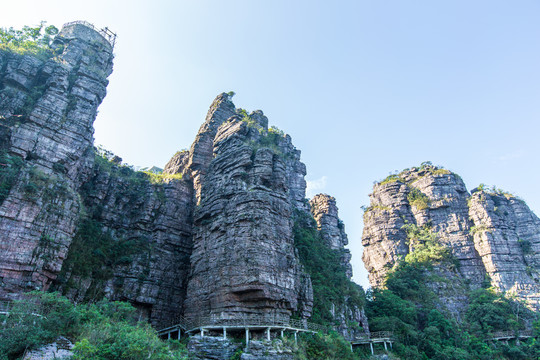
point(324, 266)
point(426, 247)
point(33, 41)
point(410, 308)
point(104, 330)
point(38, 319)
point(418, 199)
point(94, 253)
point(323, 347)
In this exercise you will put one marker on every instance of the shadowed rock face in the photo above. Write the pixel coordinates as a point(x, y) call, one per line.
point(484, 241)
point(243, 262)
point(47, 110)
point(155, 221)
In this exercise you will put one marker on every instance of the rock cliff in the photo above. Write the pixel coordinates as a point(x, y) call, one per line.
point(491, 234)
point(47, 110)
point(141, 231)
point(215, 234)
point(243, 261)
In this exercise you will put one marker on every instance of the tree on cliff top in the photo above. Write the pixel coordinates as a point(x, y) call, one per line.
point(29, 40)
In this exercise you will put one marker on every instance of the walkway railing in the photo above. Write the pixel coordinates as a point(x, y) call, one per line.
point(105, 32)
point(5, 307)
point(376, 336)
point(210, 322)
point(510, 334)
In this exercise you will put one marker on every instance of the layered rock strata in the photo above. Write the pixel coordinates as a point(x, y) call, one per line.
point(243, 262)
point(47, 109)
point(149, 226)
point(506, 235)
point(210, 236)
point(501, 244)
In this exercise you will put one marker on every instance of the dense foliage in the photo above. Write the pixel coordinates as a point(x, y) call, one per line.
point(29, 40)
point(104, 330)
point(410, 308)
point(322, 347)
point(328, 276)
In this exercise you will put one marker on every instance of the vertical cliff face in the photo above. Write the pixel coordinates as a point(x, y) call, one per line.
point(47, 108)
point(436, 203)
point(141, 232)
point(506, 236)
point(201, 152)
point(243, 262)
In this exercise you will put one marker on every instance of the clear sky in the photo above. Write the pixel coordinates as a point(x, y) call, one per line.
point(363, 87)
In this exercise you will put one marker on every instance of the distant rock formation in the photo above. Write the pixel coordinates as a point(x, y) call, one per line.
point(493, 235)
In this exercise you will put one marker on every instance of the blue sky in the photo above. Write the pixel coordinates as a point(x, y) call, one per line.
point(363, 87)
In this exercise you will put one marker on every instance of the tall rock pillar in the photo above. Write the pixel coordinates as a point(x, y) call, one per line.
point(48, 108)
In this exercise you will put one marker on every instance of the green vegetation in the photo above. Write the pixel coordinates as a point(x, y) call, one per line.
point(10, 166)
point(390, 179)
point(526, 246)
point(94, 253)
point(328, 277)
point(478, 229)
point(102, 331)
point(33, 41)
point(411, 308)
point(428, 250)
point(425, 168)
point(250, 122)
point(270, 139)
point(161, 178)
point(323, 347)
point(418, 199)
point(493, 190)
point(106, 161)
point(498, 191)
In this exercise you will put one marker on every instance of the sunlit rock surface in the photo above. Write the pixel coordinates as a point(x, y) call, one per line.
point(490, 234)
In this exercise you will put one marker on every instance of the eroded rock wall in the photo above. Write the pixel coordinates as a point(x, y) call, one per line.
point(149, 226)
point(47, 110)
point(243, 262)
point(506, 235)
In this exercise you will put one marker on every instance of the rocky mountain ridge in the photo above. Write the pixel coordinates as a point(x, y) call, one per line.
point(212, 235)
point(490, 235)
